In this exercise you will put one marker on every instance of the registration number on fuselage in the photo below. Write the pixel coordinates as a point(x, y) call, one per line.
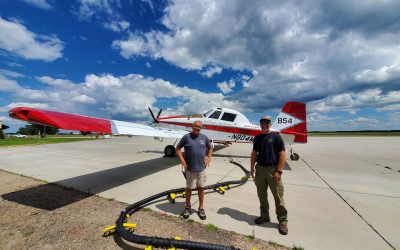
point(240, 137)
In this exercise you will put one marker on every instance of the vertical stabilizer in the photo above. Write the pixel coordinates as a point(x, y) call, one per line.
point(292, 120)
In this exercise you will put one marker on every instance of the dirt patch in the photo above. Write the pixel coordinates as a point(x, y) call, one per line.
point(38, 215)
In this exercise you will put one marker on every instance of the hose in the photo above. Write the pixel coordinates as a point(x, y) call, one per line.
point(172, 243)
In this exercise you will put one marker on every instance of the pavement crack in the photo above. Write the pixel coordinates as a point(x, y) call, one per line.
point(345, 200)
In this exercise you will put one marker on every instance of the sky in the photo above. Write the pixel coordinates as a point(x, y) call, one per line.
point(114, 58)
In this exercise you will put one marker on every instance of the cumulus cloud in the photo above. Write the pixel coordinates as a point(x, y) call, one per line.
point(117, 26)
point(41, 4)
point(226, 87)
point(89, 10)
point(17, 40)
point(384, 74)
point(211, 70)
point(351, 102)
point(245, 81)
point(7, 84)
point(393, 107)
point(55, 82)
point(24, 104)
point(119, 97)
point(304, 51)
point(83, 99)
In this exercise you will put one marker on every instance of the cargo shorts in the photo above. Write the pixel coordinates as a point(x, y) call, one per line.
point(196, 179)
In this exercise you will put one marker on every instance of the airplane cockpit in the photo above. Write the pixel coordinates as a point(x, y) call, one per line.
point(226, 115)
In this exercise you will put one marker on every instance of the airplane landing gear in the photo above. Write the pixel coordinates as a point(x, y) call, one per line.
point(169, 151)
point(294, 157)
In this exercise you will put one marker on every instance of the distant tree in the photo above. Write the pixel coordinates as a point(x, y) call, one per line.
point(33, 129)
point(23, 131)
point(1, 134)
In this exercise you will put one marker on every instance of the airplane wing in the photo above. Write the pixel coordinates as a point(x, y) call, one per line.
point(87, 124)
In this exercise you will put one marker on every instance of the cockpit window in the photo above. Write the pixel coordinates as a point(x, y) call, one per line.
point(215, 115)
point(228, 117)
point(208, 113)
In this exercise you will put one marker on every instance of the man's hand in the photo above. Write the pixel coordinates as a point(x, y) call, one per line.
point(184, 166)
point(277, 177)
point(207, 162)
point(252, 173)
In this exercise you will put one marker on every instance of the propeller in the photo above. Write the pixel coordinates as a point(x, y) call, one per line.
point(155, 119)
point(3, 126)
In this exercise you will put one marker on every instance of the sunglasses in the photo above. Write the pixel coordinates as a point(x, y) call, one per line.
point(264, 121)
point(195, 126)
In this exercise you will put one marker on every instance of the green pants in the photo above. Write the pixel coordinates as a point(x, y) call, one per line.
point(265, 178)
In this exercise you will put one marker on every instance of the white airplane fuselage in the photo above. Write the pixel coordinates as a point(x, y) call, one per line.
point(219, 124)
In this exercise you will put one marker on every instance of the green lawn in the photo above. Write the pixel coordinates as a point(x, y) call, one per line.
point(35, 140)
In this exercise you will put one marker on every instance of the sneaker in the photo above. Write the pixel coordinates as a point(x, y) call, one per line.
point(187, 212)
point(283, 229)
point(201, 214)
point(261, 220)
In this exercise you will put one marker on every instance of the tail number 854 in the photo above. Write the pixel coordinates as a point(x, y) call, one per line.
point(284, 120)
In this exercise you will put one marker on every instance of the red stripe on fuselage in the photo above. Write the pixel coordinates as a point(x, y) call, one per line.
point(233, 130)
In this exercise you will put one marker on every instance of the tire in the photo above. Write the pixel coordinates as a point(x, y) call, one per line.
point(169, 151)
point(294, 157)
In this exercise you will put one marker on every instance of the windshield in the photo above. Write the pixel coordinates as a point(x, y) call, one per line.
point(208, 113)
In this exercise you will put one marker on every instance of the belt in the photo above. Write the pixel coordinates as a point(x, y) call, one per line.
point(266, 166)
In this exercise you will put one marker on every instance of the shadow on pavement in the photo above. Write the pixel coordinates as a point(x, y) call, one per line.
point(50, 196)
point(242, 216)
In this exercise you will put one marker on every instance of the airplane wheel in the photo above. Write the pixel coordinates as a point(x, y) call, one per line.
point(294, 157)
point(169, 151)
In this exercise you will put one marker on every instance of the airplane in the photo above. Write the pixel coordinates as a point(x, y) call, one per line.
point(221, 125)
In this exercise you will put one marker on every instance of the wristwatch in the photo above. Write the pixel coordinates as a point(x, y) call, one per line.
point(280, 172)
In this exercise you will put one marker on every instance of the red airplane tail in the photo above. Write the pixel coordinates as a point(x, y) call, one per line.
point(292, 120)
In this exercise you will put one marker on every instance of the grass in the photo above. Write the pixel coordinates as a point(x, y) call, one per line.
point(275, 244)
point(211, 227)
point(27, 234)
point(297, 248)
point(146, 209)
point(251, 236)
point(36, 141)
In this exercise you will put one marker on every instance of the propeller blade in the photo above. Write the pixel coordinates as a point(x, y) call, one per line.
point(159, 113)
point(152, 115)
point(154, 118)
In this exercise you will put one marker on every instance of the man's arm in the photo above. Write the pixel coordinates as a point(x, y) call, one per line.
point(209, 156)
point(180, 156)
point(253, 158)
point(279, 167)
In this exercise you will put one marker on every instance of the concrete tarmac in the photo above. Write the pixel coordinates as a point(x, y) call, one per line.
point(343, 193)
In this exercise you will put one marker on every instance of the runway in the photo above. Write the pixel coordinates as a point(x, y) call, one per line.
point(343, 193)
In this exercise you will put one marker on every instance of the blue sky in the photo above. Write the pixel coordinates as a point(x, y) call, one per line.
point(113, 59)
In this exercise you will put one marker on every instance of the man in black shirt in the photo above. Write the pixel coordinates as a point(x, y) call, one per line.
point(269, 154)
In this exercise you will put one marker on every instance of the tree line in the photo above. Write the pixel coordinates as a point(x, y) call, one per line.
point(35, 129)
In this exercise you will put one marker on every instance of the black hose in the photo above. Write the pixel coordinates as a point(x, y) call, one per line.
point(165, 242)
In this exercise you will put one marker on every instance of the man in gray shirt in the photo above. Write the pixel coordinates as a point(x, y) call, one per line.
point(194, 164)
